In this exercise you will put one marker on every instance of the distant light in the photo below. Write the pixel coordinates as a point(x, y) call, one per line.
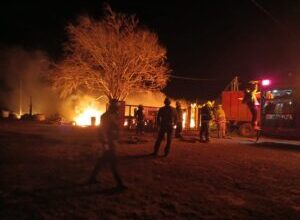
point(275, 91)
point(266, 82)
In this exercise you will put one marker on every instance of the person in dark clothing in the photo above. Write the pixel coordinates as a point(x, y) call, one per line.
point(166, 119)
point(178, 129)
point(251, 101)
point(206, 116)
point(139, 115)
point(109, 134)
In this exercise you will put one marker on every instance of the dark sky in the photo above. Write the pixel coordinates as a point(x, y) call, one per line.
point(213, 39)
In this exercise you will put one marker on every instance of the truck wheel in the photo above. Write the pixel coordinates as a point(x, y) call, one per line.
point(246, 130)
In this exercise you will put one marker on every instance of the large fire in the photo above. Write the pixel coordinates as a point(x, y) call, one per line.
point(86, 117)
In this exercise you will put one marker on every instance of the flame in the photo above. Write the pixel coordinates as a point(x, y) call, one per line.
point(193, 112)
point(192, 124)
point(183, 119)
point(85, 118)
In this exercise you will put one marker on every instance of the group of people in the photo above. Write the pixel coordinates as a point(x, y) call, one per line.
point(140, 119)
point(167, 117)
point(209, 114)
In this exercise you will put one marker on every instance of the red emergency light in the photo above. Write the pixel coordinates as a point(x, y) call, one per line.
point(265, 82)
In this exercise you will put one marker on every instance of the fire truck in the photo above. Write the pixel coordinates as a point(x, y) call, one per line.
point(279, 113)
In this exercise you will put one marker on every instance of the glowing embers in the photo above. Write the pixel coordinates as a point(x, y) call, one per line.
point(89, 116)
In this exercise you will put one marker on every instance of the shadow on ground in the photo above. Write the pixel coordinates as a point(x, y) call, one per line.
point(278, 146)
point(57, 193)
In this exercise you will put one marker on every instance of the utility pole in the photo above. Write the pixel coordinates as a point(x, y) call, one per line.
point(20, 97)
point(30, 106)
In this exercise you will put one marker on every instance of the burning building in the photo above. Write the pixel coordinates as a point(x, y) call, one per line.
point(86, 111)
point(190, 115)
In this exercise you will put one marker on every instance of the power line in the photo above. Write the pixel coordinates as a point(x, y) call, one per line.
point(275, 20)
point(266, 12)
point(192, 78)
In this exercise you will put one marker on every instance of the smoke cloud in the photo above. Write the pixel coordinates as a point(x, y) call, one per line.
point(153, 99)
point(21, 77)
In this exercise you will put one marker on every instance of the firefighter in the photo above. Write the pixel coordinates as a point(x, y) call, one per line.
point(166, 119)
point(251, 101)
point(178, 129)
point(221, 121)
point(139, 116)
point(109, 132)
point(206, 116)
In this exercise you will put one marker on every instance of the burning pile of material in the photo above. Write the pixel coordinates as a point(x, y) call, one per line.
point(83, 110)
point(88, 116)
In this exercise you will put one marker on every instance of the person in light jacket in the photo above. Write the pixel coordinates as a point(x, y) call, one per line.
point(221, 121)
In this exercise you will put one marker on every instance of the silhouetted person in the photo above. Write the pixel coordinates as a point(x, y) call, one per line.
point(139, 116)
point(251, 101)
point(166, 119)
point(206, 117)
point(109, 134)
point(178, 129)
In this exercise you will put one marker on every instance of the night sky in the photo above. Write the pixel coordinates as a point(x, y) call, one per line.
point(213, 40)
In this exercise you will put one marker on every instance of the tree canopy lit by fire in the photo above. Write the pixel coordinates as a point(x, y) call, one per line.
point(112, 57)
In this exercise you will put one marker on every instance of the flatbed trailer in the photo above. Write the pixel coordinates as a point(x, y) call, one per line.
point(237, 113)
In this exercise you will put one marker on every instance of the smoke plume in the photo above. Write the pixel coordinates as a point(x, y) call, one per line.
point(21, 77)
point(153, 99)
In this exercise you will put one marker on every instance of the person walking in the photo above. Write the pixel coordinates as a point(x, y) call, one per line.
point(178, 129)
point(206, 117)
point(166, 119)
point(221, 122)
point(109, 132)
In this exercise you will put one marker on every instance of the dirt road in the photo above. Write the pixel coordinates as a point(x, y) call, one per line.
point(44, 170)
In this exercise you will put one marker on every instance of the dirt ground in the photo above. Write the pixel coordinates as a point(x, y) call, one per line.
point(44, 172)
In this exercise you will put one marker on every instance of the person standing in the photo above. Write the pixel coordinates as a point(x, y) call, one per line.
point(251, 101)
point(178, 129)
point(109, 133)
point(139, 116)
point(221, 122)
point(206, 117)
point(166, 119)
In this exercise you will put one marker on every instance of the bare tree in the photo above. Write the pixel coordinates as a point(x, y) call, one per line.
point(112, 57)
